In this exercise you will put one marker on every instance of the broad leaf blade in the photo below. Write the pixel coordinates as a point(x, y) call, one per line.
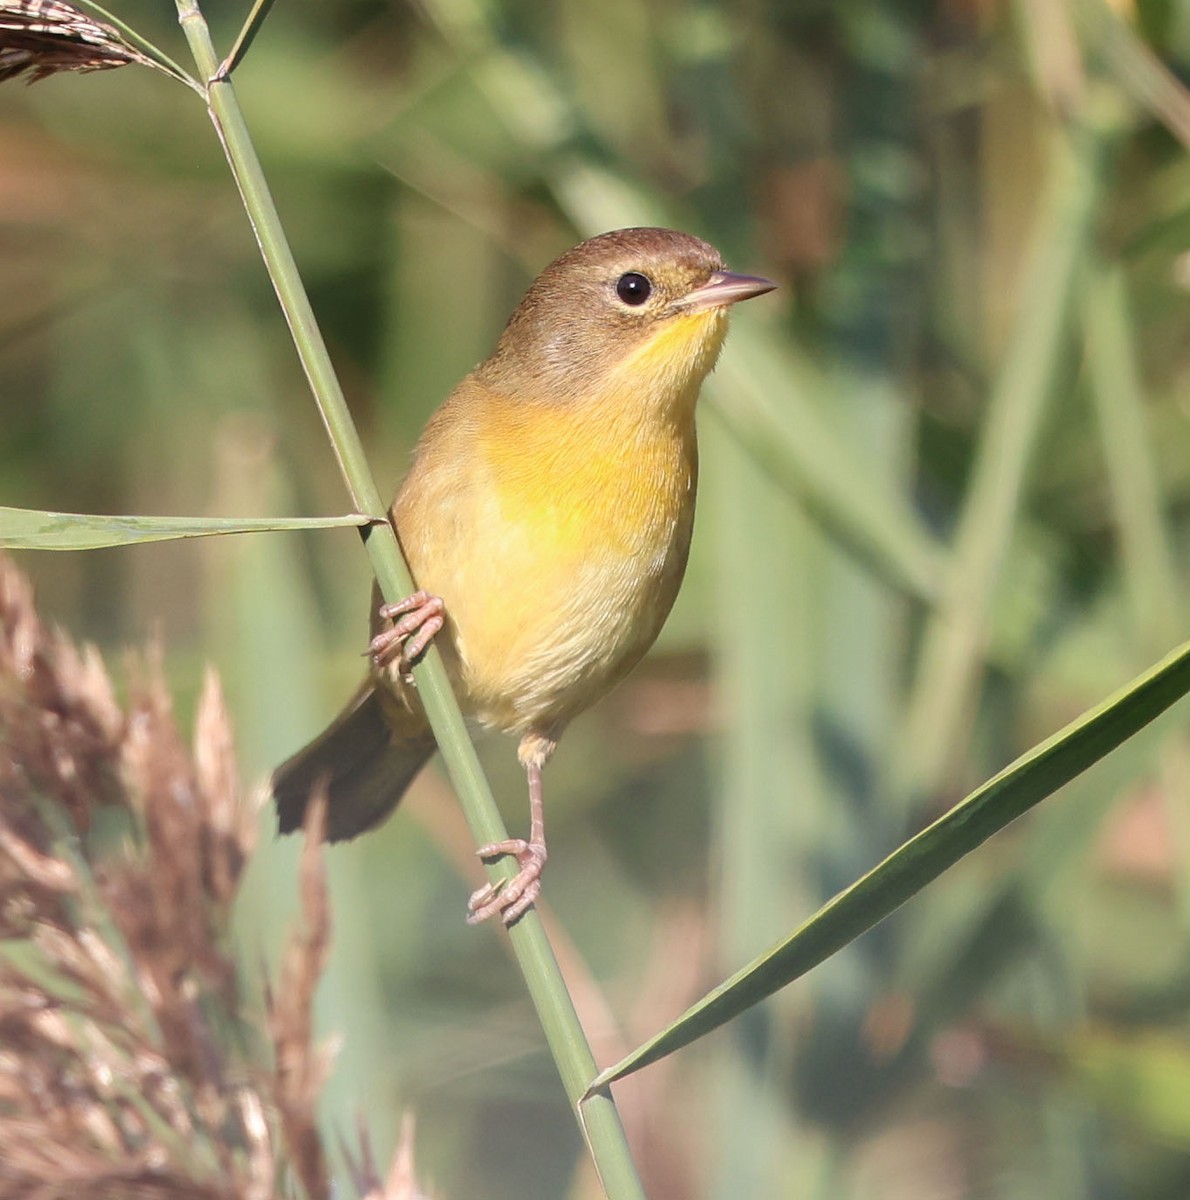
point(32, 529)
point(923, 858)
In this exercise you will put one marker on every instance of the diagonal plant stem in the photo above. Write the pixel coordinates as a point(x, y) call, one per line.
point(246, 37)
point(598, 1118)
point(947, 681)
point(1023, 784)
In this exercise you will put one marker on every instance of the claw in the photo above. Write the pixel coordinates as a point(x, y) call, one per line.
point(421, 617)
point(510, 898)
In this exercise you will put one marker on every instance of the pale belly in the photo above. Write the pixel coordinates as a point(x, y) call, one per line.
point(540, 630)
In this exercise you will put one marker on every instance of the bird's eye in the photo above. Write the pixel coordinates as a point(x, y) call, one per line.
point(633, 288)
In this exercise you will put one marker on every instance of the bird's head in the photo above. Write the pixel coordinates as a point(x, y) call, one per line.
point(635, 311)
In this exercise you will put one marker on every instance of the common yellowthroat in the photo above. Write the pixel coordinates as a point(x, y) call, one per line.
point(547, 519)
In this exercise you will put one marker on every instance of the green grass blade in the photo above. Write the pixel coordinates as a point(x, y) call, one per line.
point(248, 32)
point(951, 657)
point(923, 858)
point(34, 529)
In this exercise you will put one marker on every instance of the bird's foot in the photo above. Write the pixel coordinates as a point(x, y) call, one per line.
point(421, 617)
point(510, 898)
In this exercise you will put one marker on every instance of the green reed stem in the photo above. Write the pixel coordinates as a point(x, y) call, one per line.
point(599, 1119)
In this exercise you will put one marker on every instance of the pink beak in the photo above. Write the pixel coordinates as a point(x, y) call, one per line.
point(725, 287)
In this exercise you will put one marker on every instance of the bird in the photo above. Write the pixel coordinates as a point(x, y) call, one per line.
point(546, 519)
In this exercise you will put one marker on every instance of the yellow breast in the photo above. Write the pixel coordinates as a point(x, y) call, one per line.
point(560, 545)
point(588, 525)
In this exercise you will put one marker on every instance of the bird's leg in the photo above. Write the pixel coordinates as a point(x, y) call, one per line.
point(511, 898)
point(421, 617)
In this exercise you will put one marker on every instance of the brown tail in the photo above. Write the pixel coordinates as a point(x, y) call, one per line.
point(364, 763)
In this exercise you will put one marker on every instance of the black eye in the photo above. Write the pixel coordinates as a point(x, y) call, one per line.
point(633, 288)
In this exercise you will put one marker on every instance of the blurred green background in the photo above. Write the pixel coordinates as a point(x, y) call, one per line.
point(945, 508)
